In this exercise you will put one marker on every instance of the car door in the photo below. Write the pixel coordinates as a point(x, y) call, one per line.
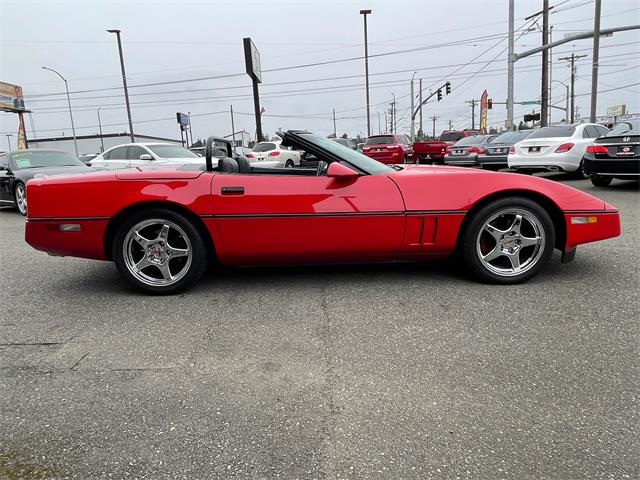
point(114, 158)
point(282, 218)
point(133, 156)
point(5, 181)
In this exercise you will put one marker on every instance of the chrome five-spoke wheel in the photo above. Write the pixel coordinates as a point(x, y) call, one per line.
point(157, 252)
point(510, 242)
point(507, 240)
point(160, 251)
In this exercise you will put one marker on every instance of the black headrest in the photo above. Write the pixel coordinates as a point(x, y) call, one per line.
point(243, 164)
point(229, 165)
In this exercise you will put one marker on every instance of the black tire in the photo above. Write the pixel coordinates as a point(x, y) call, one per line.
point(404, 158)
point(289, 164)
point(473, 235)
point(600, 181)
point(580, 174)
point(192, 267)
point(18, 190)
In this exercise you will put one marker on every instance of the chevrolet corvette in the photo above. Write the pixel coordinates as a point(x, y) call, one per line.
point(163, 225)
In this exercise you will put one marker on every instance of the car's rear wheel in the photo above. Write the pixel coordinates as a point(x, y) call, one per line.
point(289, 164)
point(600, 181)
point(20, 197)
point(159, 252)
point(580, 174)
point(508, 241)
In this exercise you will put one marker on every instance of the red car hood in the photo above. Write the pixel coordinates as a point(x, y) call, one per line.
point(441, 188)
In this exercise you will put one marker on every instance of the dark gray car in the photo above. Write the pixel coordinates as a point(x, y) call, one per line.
point(464, 153)
point(495, 156)
point(17, 167)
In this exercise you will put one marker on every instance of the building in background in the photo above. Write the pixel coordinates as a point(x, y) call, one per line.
point(94, 143)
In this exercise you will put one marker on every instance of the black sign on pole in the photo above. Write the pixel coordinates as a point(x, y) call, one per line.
point(252, 62)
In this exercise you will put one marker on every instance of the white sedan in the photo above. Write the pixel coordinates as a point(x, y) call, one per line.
point(273, 154)
point(139, 154)
point(555, 148)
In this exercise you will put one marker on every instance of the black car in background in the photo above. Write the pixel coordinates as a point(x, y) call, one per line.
point(495, 156)
point(464, 153)
point(17, 167)
point(615, 155)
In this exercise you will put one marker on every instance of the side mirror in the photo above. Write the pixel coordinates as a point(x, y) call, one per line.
point(340, 172)
point(146, 156)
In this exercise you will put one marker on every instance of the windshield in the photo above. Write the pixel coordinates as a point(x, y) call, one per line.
point(628, 127)
point(355, 158)
point(511, 137)
point(264, 147)
point(35, 159)
point(473, 140)
point(551, 132)
point(171, 151)
point(380, 140)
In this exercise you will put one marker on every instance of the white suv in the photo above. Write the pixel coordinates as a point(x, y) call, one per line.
point(138, 154)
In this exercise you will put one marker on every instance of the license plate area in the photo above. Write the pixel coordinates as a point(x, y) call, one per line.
point(625, 151)
point(534, 149)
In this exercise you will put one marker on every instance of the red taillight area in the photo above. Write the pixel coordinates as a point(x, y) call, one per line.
point(475, 150)
point(249, 155)
point(512, 149)
point(275, 153)
point(366, 149)
point(597, 149)
point(565, 147)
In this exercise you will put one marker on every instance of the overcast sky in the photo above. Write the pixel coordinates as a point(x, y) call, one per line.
point(173, 41)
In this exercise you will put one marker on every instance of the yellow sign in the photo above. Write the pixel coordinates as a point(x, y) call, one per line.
point(11, 98)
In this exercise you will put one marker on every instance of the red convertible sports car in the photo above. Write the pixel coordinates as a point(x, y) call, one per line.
point(162, 226)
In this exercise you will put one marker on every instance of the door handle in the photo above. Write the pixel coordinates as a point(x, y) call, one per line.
point(232, 190)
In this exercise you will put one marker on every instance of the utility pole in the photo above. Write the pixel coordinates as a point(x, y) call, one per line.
point(379, 129)
point(573, 59)
point(386, 123)
point(594, 65)
point(391, 117)
point(450, 125)
point(364, 13)
point(335, 134)
point(544, 104)
point(100, 128)
point(473, 113)
point(413, 120)
point(434, 118)
point(510, 68)
point(550, 72)
point(233, 130)
point(421, 130)
point(124, 82)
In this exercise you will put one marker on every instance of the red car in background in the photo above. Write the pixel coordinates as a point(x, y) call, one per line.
point(389, 149)
point(436, 149)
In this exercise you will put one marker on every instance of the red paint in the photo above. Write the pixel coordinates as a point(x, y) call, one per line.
point(414, 213)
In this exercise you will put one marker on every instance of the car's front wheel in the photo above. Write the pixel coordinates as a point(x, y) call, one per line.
point(20, 197)
point(508, 241)
point(600, 181)
point(159, 252)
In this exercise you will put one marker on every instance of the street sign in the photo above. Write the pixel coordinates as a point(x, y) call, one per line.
point(531, 102)
point(616, 110)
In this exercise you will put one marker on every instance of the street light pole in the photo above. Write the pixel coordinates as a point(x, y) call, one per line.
point(100, 127)
point(566, 115)
point(124, 82)
point(366, 67)
point(594, 66)
point(9, 135)
point(413, 118)
point(66, 86)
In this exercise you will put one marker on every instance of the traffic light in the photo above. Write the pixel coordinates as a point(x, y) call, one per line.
point(447, 87)
point(489, 103)
point(439, 94)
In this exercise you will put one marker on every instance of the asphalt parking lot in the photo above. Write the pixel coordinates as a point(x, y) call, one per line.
point(388, 371)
